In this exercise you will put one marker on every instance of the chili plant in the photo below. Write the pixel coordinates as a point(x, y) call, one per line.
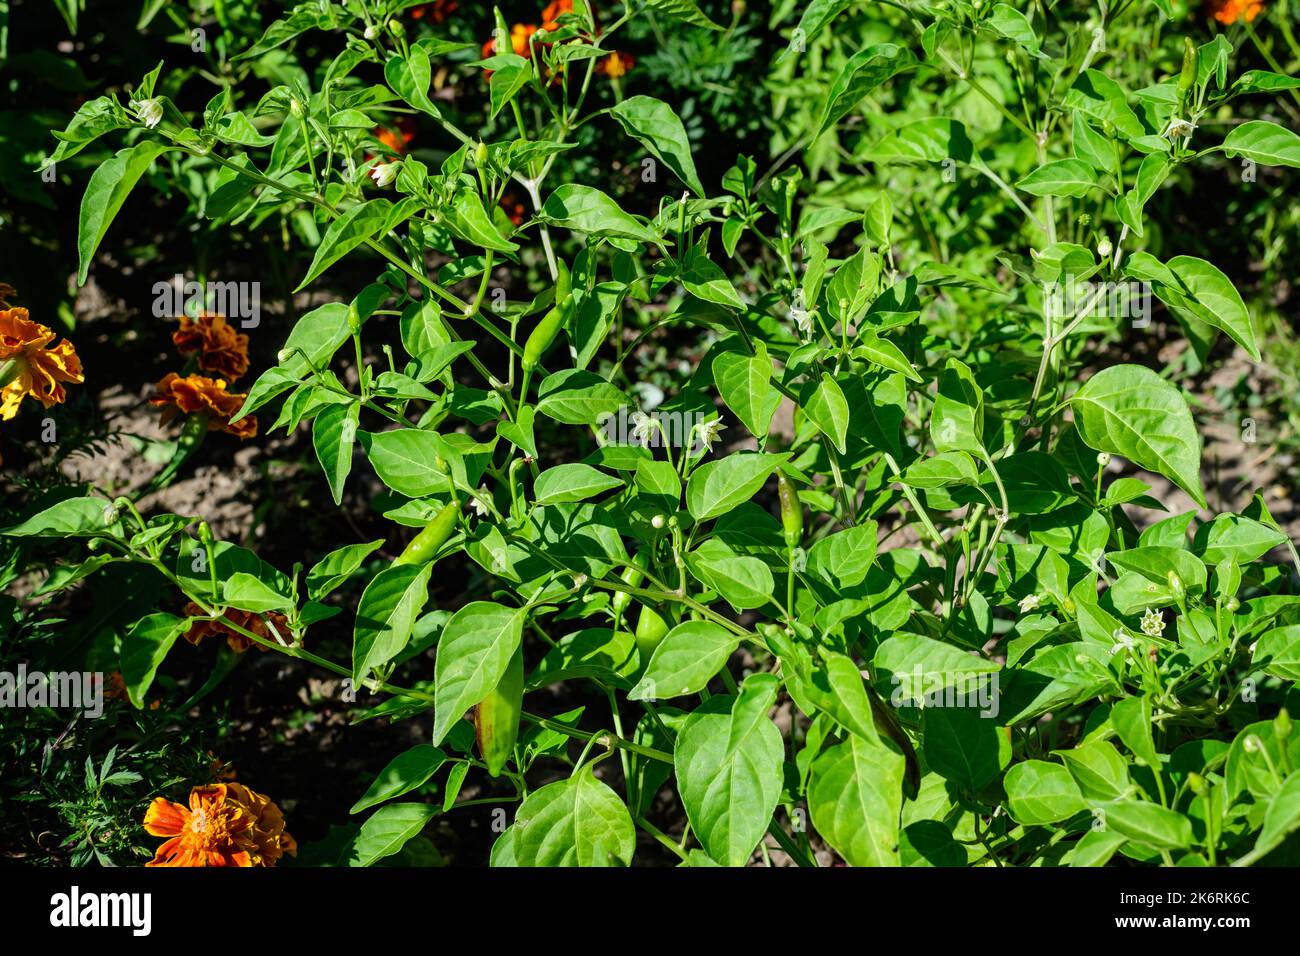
point(932, 614)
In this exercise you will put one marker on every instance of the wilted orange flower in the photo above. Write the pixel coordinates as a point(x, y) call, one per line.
point(615, 65)
point(514, 208)
point(28, 366)
point(553, 11)
point(224, 825)
point(221, 349)
point(199, 394)
point(519, 34)
point(1233, 11)
point(248, 620)
point(398, 136)
point(438, 12)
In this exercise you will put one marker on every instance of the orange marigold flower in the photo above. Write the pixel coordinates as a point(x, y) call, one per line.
point(28, 366)
point(248, 620)
point(1229, 12)
point(438, 12)
point(221, 349)
point(616, 64)
point(270, 841)
point(195, 394)
point(397, 136)
point(552, 13)
point(224, 825)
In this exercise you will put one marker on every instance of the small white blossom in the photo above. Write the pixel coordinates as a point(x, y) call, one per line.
point(384, 174)
point(709, 432)
point(1153, 625)
point(1028, 603)
point(477, 504)
point(1179, 127)
point(150, 112)
point(801, 317)
point(1123, 641)
point(643, 427)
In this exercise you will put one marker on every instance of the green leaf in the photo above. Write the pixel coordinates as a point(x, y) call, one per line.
point(409, 77)
point(864, 71)
point(957, 419)
point(589, 210)
point(571, 482)
point(728, 757)
point(72, 517)
point(510, 74)
point(1099, 770)
point(928, 140)
point(1282, 818)
point(827, 408)
point(1148, 823)
point(467, 218)
point(333, 435)
point(654, 123)
point(144, 647)
point(682, 11)
point(717, 487)
point(386, 616)
point(250, 593)
point(1132, 720)
point(315, 338)
point(1064, 177)
point(1265, 143)
point(1203, 293)
point(918, 664)
point(1236, 537)
point(388, 830)
point(1102, 99)
point(745, 383)
point(408, 770)
point(704, 279)
point(942, 471)
point(963, 746)
point(106, 191)
point(843, 559)
point(1039, 793)
point(406, 460)
point(575, 822)
point(354, 228)
point(855, 796)
point(743, 581)
point(1129, 410)
point(475, 648)
point(1015, 26)
point(1278, 652)
point(685, 661)
point(337, 567)
point(885, 354)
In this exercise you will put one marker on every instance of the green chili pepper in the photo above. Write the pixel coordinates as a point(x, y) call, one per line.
point(563, 281)
point(496, 718)
point(791, 511)
point(650, 632)
point(1187, 78)
point(431, 537)
point(632, 576)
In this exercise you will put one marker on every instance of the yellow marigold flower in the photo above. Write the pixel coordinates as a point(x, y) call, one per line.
point(222, 350)
point(28, 366)
point(616, 64)
point(1228, 12)
point(224, 825)
point(198, 394)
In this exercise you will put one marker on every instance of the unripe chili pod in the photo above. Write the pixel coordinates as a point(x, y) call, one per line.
point(791, 511)
point(563, 281)
point(543, 336)
point(496, 718)
point(1187, 78)
point(651, 629)
point(431, 537)
point(632, 576)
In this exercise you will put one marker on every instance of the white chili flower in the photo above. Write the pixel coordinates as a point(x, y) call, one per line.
point(1028, 603)
point(384, 174)
point(1179, 127)
point(1123, 641)
point(800, 316)
point(1153, 625)
point(477, 504)
point(709, 432)
point(643, 427)
point(150, 112)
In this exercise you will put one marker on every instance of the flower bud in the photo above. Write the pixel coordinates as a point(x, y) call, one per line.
point(384, 174)
point(370, 33)
point(1196, 782)
point(150, 112)
point(1282, 724)
point(658, 521)
point(480, 154)
point(1175, 584)
point(1232, 604)
point(294, 106)
point(1104, 247)
point(1103, 458)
